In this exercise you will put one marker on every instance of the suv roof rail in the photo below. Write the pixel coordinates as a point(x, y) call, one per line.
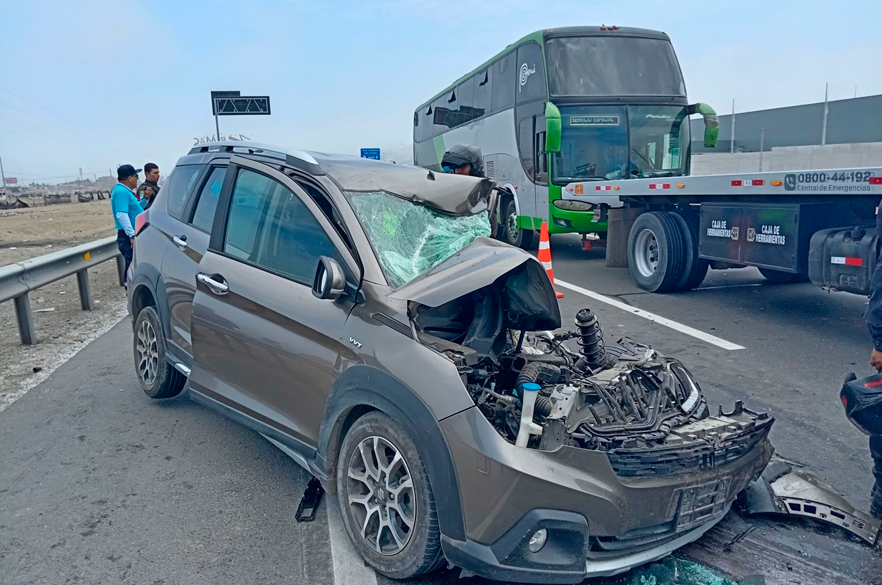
point(295, 158)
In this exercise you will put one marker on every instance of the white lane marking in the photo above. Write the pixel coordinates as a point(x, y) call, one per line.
point(62, 358)
point(706, 337)
point(349, 567)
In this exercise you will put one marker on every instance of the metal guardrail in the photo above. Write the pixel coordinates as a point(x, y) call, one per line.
point(20, 278)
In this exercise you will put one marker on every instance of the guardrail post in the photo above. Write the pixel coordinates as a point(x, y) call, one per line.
point(121, 269)
point(25, 320)
point(85, 292)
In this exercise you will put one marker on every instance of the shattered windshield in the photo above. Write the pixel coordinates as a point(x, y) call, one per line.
point(410, 238)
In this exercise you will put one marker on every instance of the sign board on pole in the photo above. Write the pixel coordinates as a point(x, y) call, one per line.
point(242, 106)
point(12, 180)
point(220, 94)
point(373, 153)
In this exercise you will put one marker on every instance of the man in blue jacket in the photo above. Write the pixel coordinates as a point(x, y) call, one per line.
point(874, 322)
point(125, 207)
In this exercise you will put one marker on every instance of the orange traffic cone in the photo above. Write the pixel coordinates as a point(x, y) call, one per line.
point(545, 256)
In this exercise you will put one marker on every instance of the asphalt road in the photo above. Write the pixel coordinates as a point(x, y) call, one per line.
point(99, 484)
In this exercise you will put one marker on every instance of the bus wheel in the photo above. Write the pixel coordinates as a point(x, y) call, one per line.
point(782, 277)
point(656, 254)
point(694, 268)
point(512, 234)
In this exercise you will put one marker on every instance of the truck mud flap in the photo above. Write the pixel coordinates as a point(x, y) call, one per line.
point(843, 259)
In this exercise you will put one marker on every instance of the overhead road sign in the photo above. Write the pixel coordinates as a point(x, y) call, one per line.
point(221, 94)
point(242, 106)
point(372, 153)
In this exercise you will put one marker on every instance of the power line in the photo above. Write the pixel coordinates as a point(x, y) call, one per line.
point(71, 122)
point(56, 146)
point(54, 136)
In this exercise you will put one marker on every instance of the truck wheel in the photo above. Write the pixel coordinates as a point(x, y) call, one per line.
point(656, 252)
point(694, 268)
point(512, 234)
point(782, 277)
point(386, 499)
point(158, 378)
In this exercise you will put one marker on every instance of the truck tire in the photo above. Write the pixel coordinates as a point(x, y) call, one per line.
point(158, 378)
point(656, 252)
point(511, 233)
point(694, 268)
point(377, 460)
point(782, 277)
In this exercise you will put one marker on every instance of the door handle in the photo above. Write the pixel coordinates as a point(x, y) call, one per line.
point(180, 241)
point(215, 286)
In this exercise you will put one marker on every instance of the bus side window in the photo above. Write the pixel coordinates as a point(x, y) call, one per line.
point(531, 73)
point(503, 83)
point(482, 94)
point(526, 141)
point(541, 157)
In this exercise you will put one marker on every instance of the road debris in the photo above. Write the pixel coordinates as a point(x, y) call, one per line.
point(784, 489)
point(310, 501)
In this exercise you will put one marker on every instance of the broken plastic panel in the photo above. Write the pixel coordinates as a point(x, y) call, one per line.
point(409, 238)
point(671, 571)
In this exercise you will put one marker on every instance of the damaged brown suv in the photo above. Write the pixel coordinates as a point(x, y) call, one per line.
point(359, 316)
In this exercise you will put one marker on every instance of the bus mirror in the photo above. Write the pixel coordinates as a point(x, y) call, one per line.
point(711, 123)
point(552, 128)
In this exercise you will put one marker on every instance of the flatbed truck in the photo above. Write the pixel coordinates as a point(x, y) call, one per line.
point(792, 225)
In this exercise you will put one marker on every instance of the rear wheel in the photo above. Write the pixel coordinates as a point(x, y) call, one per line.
point(782, 277)
point(512, 234)
point(386, 499)
point(694, 268)
point(656, 252)
point(158, 378)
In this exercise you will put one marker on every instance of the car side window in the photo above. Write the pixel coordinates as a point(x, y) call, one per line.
point(269, 226)
point(178, 188)
point(206, 205)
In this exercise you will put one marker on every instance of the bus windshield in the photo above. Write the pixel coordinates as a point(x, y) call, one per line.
point(606, 65)
point(620, 142)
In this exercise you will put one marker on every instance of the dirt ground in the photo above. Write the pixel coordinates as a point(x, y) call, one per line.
point(62, 327)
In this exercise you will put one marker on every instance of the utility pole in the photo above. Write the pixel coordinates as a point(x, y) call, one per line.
point(824, 127)
point(732, 145)
point(2, 176)
point(762, 145)
point(855, 91)
point(81, 174)
point(216, 128)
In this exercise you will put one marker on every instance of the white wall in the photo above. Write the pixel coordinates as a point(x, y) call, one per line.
point(790, 158)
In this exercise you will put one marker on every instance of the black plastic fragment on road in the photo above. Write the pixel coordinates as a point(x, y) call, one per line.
point(310, 501)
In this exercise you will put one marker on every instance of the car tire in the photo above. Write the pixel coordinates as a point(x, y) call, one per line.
point(694, 268)
point(656, 252)
point(782, 277)
point(158, 378)
point(374, 513)
point(511, 234)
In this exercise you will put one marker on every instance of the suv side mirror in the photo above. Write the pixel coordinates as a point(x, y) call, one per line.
point(329, 282)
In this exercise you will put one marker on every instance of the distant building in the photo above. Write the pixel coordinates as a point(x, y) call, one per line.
point(850, 121)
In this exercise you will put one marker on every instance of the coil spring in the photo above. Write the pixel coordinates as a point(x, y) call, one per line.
point(590, 340)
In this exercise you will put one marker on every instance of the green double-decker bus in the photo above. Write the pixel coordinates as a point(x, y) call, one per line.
point(561, 106)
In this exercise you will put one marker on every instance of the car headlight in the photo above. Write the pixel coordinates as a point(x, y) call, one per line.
point(571, 205)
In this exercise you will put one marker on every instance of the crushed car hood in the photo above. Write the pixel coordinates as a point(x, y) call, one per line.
point(528, 291)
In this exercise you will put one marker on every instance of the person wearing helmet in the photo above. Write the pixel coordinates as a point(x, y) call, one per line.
point(463, 160)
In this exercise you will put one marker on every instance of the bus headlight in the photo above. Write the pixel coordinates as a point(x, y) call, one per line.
point(570, 205)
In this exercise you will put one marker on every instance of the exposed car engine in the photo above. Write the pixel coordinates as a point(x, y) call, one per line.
point(644, 409)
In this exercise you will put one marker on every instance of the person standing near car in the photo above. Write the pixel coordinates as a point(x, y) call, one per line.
point(125, 207)
point(149, 189)
point(874, 323)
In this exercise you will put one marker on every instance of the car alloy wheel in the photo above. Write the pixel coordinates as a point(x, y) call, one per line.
point(381, 495)
point(148, 353)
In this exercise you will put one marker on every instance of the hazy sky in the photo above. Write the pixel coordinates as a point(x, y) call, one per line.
point(95, 83)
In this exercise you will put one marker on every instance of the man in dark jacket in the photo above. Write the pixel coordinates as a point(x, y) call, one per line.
point(874, 322)
point(149, 189)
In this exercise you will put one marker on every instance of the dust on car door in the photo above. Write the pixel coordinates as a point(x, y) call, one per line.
point(264, 345)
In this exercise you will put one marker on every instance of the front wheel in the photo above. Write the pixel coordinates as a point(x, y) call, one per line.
point(512, 234)
point(656, 254)
point(158, 378)
point(386, 499)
